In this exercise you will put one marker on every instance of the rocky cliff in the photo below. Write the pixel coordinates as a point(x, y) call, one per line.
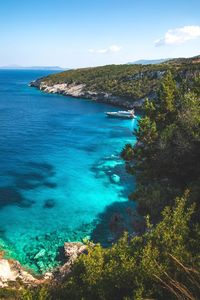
point(12, 271)
point(80, 91)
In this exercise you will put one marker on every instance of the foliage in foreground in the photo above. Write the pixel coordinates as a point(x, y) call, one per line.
point(167, 155)
point(161, 264)
point(158, 264)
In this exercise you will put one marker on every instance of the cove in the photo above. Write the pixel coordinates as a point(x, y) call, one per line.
point(61, 177)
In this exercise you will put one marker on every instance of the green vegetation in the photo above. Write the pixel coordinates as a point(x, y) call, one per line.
point(129, 81)
point(140, 267)
point(164, 261)
point(22, 292)
point(167, 156)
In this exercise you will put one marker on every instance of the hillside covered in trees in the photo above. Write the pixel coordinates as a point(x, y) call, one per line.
point(131, 82)
point(163, 261)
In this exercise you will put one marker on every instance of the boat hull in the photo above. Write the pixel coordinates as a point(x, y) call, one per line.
point(112, 115)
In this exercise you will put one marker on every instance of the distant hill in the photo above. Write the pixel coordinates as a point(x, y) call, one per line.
point(17, 67)
point(149, 61)
point(171, 61)
point(183, 61)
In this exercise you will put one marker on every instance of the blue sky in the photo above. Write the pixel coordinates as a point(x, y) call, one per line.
point(83, 33)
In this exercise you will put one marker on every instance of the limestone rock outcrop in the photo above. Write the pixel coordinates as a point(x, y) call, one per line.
point(71, 251)
point(80, 91)
point(11, 270)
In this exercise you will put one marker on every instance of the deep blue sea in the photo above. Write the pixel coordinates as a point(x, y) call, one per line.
point(61, 177)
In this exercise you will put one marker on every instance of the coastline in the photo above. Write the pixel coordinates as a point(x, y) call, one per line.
point(78, 91)
point(11, 270)
point(14, 270)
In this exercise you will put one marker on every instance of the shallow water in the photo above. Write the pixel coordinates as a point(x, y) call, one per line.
point(57, 156)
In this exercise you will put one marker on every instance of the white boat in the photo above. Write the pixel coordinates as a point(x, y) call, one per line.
point(125, 114)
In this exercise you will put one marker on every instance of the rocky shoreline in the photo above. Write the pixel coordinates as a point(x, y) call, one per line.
point(79, 91)
point(12, 271)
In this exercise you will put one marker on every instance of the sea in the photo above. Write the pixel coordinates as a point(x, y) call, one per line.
point(61, 175)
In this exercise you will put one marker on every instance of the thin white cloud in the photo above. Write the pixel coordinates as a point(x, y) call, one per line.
point(179, 36)
point(111, 49)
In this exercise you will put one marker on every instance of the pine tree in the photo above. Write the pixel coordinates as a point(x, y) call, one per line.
point(166, 98)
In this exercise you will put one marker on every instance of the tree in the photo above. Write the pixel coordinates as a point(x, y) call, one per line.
point(140, 267)
point(166, 99)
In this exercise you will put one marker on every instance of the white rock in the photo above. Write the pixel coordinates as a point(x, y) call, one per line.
point(73, 250)
point(115, 178)
point(6, 274)
point(11, 271)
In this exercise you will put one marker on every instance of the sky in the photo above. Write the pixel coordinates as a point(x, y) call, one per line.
point(84, 33)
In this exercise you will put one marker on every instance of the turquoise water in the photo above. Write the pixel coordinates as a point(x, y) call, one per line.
point(59, 158)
